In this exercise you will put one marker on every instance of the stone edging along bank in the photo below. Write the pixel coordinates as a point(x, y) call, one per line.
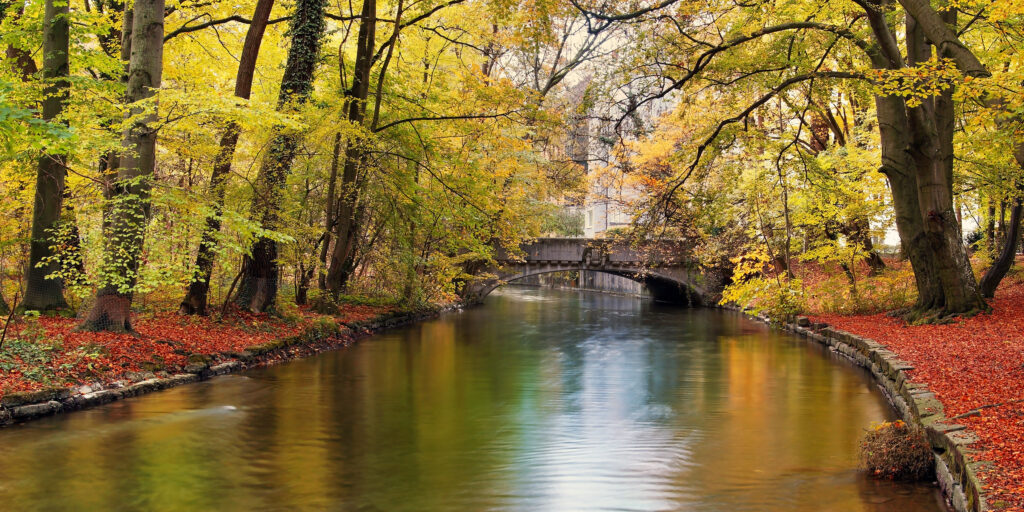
point(321, 336)
point(955, 469)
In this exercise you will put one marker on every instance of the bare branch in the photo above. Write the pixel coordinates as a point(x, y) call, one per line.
point(742, 116)
point(443, 118)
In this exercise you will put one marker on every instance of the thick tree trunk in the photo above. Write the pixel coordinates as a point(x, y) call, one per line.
point(43, 293)
point(110, 161)
point(911, 230)
point(346, 218)
point(939, 30)
point(195, 301)
point(130, 214)
point(258, 289)
point(894, 131)
point(343, 254)
point(917, 156)
point(932, 129)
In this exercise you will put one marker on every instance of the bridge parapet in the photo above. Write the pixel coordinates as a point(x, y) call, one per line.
point(597, 252)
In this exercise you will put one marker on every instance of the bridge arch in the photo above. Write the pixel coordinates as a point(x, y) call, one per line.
point(664, 287)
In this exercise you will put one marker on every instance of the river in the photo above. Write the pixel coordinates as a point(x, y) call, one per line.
point(539, 400)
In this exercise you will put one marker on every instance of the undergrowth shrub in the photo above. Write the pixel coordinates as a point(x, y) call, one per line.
point(766, 292)
point(893, 289)
point(897, 451)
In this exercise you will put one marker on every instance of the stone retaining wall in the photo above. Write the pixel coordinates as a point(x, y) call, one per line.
point(321, 336)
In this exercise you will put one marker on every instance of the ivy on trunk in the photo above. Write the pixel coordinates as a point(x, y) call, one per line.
point(257, 291)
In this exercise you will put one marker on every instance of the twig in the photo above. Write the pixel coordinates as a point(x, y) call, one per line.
point(977, 410)
point(14, 307)
point(227, 298)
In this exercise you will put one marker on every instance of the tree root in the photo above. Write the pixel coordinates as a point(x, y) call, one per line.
point(937, 316)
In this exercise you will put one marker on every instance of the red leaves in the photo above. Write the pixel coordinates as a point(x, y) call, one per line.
point(976, 362)
point(165, 343)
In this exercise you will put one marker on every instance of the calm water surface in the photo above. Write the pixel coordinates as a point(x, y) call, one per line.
point(536, 401)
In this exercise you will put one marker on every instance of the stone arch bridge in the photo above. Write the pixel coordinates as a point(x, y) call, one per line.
point(659, 265)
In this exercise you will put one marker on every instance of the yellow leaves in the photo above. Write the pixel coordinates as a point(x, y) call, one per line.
point(1001, 11)
point(749, 264)
point(761, 289)
point(917, 82)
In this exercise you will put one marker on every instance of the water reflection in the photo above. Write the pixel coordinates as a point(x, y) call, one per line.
point(539, 400)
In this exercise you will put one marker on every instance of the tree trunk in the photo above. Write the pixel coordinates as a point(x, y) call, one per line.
point(858, 231)
point(346, 226)
point(110, 161)
point(195, 301)
point(329, 218)
point(917, 155)
point(990, 281)
point(23, 62)
point(346, 219)
point(130, 213)
point(932, 129)
point(995, 274)
point(258, 289)
point(938, 28)
point(1001, 230)
point(43, 293)
point(302, 280)
point(990, 227)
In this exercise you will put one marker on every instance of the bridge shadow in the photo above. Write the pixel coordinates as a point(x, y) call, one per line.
point(662, 289)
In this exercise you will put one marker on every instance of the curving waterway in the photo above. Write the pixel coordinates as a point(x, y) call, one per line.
point(539, 400)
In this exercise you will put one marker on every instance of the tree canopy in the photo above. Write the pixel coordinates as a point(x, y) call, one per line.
point(206, 153)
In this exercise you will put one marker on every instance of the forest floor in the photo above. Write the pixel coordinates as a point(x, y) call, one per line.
point(47, 353)
point(975, 367)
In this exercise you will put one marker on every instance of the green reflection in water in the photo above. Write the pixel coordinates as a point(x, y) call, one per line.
point(539, 400)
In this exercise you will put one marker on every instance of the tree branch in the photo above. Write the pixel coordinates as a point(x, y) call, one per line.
point(186, 28)
point(443, 118)
point(705, 58)
point(785, 84)
point(943, 37)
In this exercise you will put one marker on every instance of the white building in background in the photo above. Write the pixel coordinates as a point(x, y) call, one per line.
point(603, 212)
point(606, 206)
point(602, 209)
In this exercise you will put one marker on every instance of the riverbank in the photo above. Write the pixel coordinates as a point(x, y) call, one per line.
point(974, 369)
point(971, 369)
point(956, 468)
point(47, 368)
